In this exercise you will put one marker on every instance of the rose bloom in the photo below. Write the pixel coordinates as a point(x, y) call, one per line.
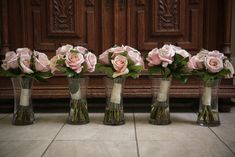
point(194, 63)
point(42, 62)
point(217, 54)
point(128, 48)
point(202, 54)
point(166, 54)
point(104, 57)
point(117, 50)
point(64, 49)
point(10, 61)
point(183, 53)
point(153, 58)
point(74, 61)
point(136, 58)
point(120, 65)
point(24, 52)
point(213, 64)
point(229, 66)
point(81, 49)
point(53, 63)
point(25, 59)
point(91, 61)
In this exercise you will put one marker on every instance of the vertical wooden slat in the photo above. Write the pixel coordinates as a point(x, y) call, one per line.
point(5, 33)
point(227, 27)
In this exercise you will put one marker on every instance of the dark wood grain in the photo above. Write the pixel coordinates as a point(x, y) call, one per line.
point(45, 25)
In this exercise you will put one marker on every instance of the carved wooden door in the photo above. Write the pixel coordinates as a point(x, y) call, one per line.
point(45, 25)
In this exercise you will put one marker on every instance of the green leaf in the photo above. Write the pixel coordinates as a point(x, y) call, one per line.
point(154, 70)
point(133, 74)
point(45, 74)
point(10, 72)
point(178, 58)
point(108, 70)
point(136, 68)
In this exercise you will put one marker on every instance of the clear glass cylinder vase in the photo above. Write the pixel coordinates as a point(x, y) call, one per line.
point(114, 113)
point(23, 108)
point(78, 112)
point(208, 114)
point(160, 111)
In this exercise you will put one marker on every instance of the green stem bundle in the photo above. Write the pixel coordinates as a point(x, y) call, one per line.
point(207, 116)
point(160, 113)
point(114, 114)
point(78, 112)
point(23, 116)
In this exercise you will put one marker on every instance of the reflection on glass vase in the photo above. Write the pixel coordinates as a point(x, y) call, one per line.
point(208, 114)
point(114, 113)
point(78, 113)
point(160, 114)
point(23, 109)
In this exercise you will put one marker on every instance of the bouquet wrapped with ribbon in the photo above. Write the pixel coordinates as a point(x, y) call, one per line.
point(74, 62)
point(24, 66)
point(210, 67)
point(171, 62)
point(118, 63)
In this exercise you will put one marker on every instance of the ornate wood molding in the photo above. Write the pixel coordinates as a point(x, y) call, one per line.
point(168, 15)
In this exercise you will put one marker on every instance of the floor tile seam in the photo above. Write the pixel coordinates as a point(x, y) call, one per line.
point(96, 140)
point(52, 140)
point(4, 117)
point(136, 136)
point(222, 141)
point(25, 140)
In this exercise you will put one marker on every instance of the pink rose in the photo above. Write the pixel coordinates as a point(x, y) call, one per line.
point(217, 54)
point(128, 48)
point(104, 57)
point(229, 66)
point(91, 61)
point(24, 51)
point(25, 60)
point(74, 61)
point(194, 63)
point(64, 49)
point(183, 53)
point(10, 61)
point(81, 49)
point(117, 50)
point(213, 64)
point(42, 62)
point(135, 57)
point(53, 62)
point(202, 54)
point(120, 65)
point(166, 54)
point(153, 58)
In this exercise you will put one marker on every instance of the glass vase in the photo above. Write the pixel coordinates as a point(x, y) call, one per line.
point(78, 113)
point(208, 114)
point(160, 112)
point(23, 108)
point(114, 113)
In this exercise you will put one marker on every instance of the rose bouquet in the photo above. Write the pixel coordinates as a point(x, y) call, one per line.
point(23, 66)
point(210, 67)
point(74, 62)
point(170, 61)
point(118, 63)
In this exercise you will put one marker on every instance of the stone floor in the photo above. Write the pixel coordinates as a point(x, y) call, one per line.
point(50, 136)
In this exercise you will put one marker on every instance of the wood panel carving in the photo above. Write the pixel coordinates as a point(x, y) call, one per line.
point(62, 16)
point(57, 22)
point(170, 21)
point(168, 18)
